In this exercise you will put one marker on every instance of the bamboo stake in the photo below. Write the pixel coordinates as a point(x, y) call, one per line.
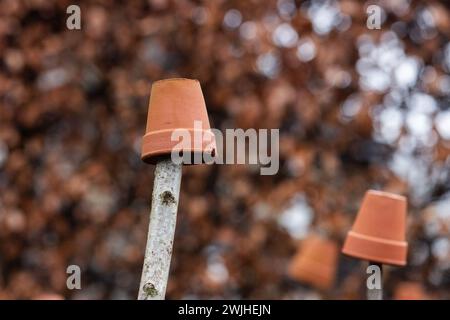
point(376, 294)
point(163, 218)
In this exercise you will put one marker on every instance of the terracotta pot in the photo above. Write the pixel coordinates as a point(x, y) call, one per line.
point(409, 291)
point(378, 233)
point(315, 263)
point(176, 104)
point(48, 296)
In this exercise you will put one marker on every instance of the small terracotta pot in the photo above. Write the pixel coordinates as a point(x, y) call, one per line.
point(410, 291)
point(315, 263)
point(48, 296)
point(378, 233)
point(176, 104)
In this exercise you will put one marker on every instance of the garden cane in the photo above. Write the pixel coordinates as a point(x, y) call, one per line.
point(378, 234)
point(161, 231)
point(175, 104)
point(376, 293)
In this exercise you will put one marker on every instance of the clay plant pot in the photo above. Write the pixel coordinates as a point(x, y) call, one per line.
point(48, 296)
point(378, 233)
point(176, 104)
point(315, 263)
point(410, 291)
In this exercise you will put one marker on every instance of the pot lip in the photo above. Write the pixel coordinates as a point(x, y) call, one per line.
point(174, 79)
point(192, 130)
point(355, 234)
point(372, 257)
point(150, 156)
point(387, 194)
point(362, 256)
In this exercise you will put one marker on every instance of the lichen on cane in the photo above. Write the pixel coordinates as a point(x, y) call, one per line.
point(167, 198)
point(150, 289)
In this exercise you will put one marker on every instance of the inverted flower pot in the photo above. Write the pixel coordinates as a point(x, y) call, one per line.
point(315, 263)
point(378, 234)
point(176, 104)
point(410, 291)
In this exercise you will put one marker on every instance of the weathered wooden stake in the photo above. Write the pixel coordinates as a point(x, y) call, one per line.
point(161, 231)
point(376, 294)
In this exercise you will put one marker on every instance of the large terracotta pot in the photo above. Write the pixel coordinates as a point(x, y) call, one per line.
point(378, 234)
point(176, 104)
point(315, 263)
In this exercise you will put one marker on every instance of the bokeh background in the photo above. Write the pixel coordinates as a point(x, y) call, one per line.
point(356, 108)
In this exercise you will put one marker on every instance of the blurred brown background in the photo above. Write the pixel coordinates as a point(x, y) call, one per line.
point(356, 108)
